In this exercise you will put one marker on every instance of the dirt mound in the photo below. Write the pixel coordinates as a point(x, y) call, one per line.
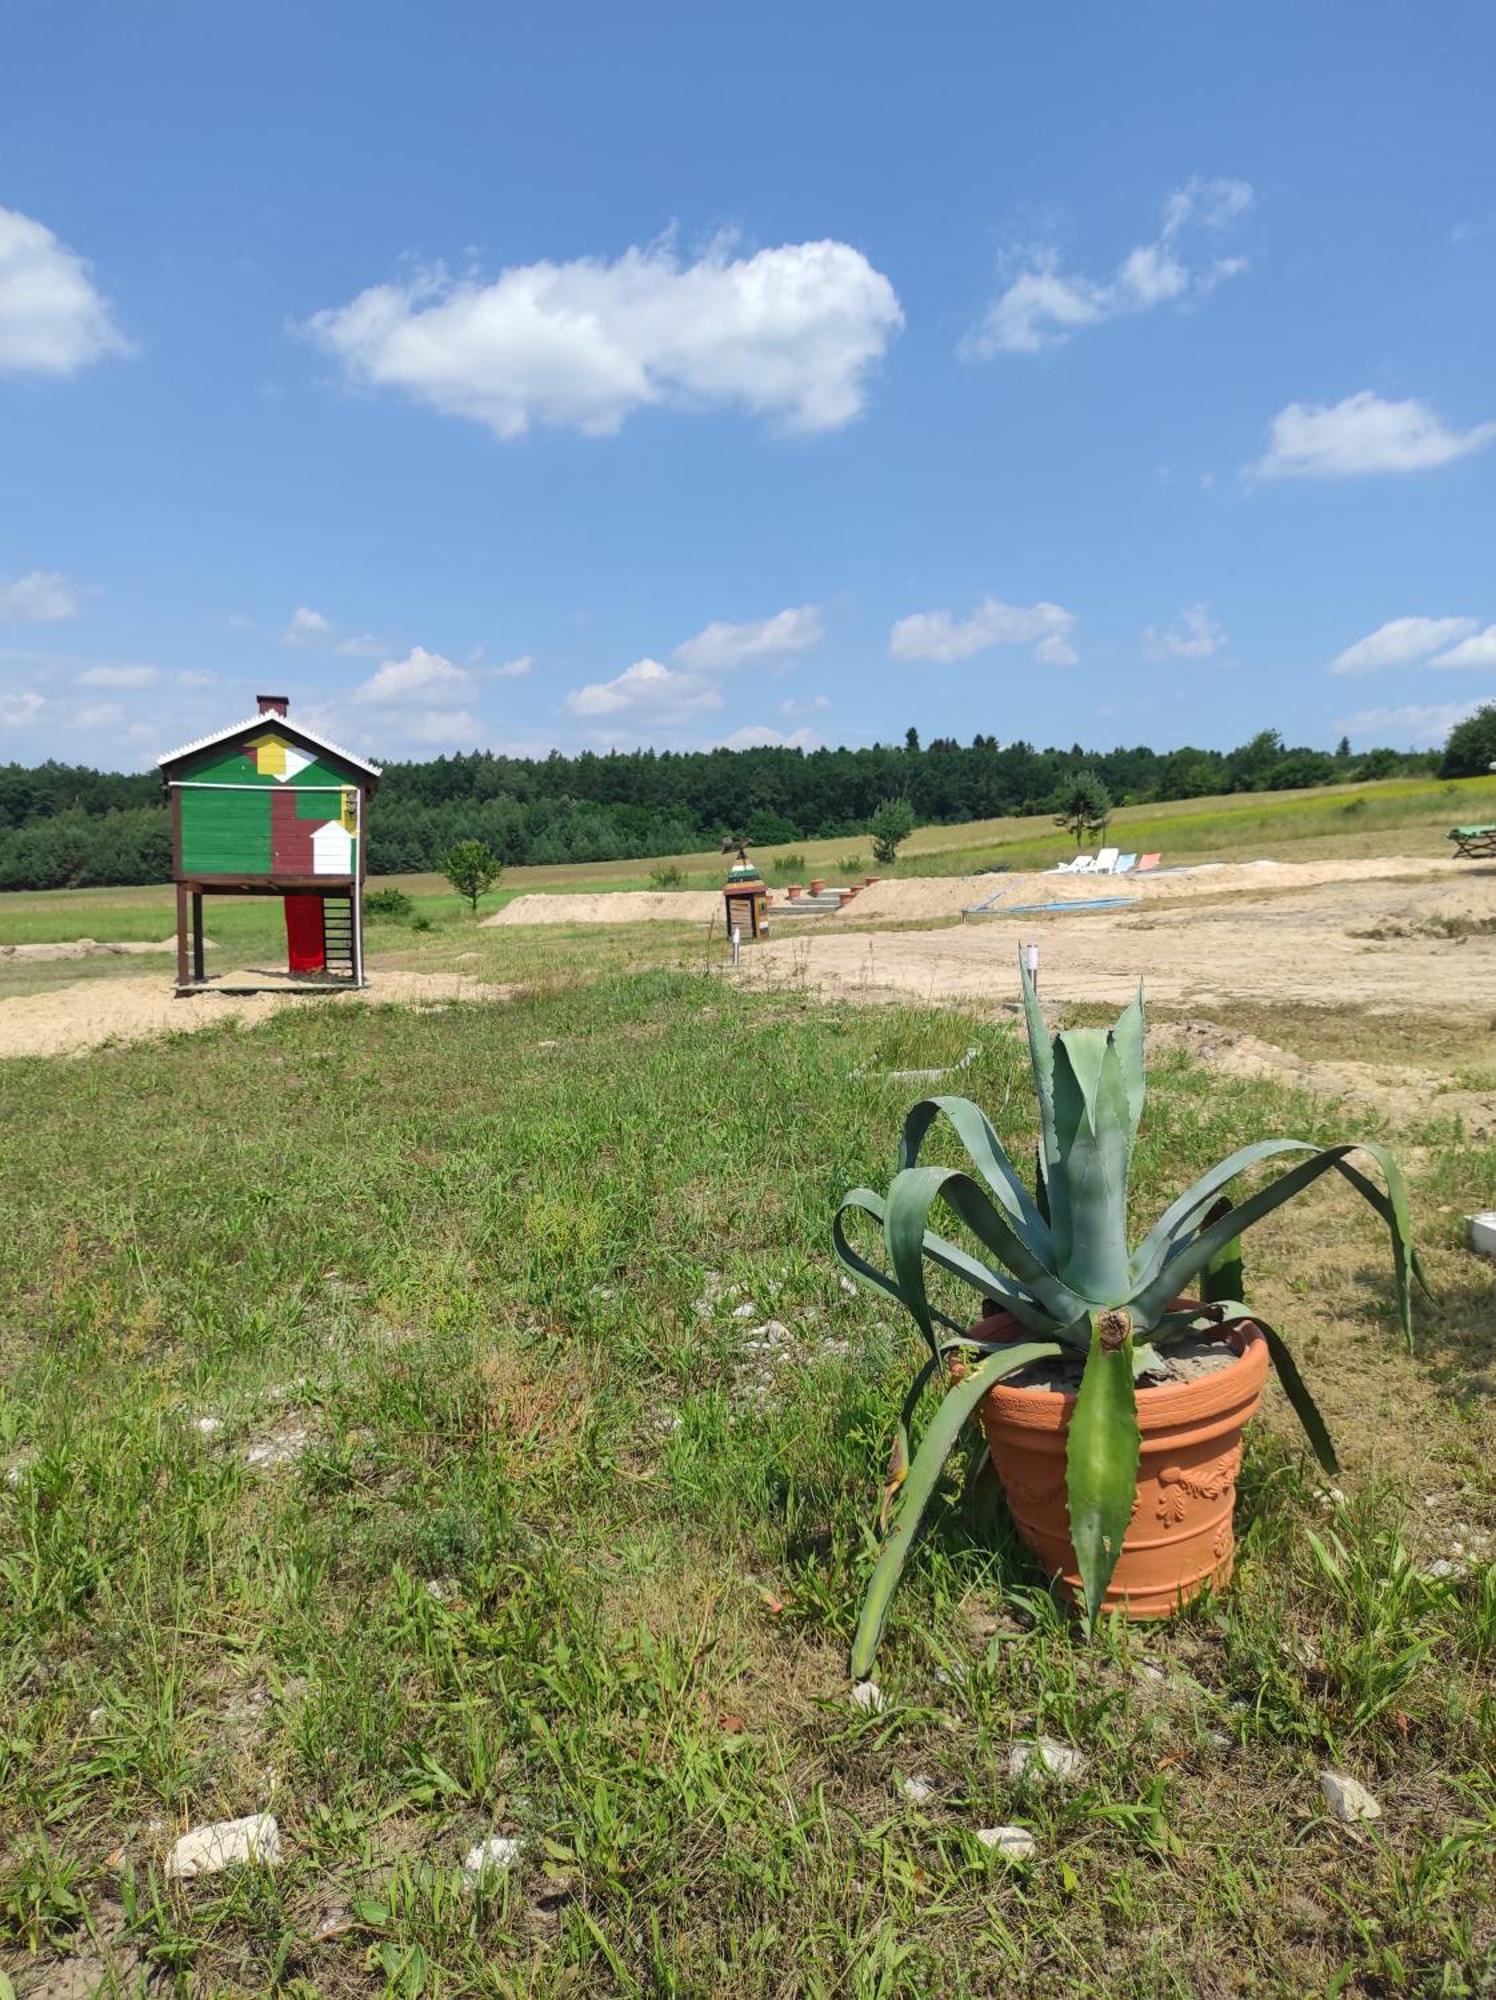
point(618, 906)
point(79, 1018)
point(89, 948)
point(924, 896)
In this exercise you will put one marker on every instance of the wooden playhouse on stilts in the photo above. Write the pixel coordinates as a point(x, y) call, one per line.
point(269, 808)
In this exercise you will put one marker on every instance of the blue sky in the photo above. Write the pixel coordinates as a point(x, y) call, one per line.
point(587, 375)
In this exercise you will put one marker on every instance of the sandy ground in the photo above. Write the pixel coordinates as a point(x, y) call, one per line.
point(1389, 937)
point(74, 1019)
point(618, 906)
point(90, 948)
point(947, 896)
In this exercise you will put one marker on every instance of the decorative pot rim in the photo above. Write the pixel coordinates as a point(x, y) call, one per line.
point(1164, 1406)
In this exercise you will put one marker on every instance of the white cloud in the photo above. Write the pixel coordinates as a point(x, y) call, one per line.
point(724, 646)
point(815, 704)
point(1479, 650)
point(1194, 635)
point(758, 736)
point(648, 691)
point(1364, 433)
point(421, 677)
point(41, 597)
point(789, 334)
point(52, 321)
point(512, 670)
point(19, 706)
point(438, 727)
point(940, 636)
point(1399, 643)
point(1419, 725)
point(118, 677)
point(1043, 306)
point(310, 628)
point(100, 715)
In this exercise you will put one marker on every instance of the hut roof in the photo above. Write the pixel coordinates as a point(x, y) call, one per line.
point(283, 726)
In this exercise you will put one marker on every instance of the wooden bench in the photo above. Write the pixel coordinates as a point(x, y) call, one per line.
point(1477, 842)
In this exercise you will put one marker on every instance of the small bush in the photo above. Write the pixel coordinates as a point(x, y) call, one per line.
point(668, 877)
point(851, 864)
point(392, 903)
point(420, 923)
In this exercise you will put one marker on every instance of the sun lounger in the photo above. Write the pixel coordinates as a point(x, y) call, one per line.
point(1477, 843)
point(1105, 861)
point(1081, 865)
point(1125, 864)
point(1148, 863)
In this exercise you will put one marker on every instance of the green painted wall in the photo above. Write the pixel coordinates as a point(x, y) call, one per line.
point(229, 832)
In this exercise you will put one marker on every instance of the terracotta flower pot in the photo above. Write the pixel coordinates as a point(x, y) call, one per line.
point(795, 890)
point(1180, 1536)
point(869, 880)
point(816, 887)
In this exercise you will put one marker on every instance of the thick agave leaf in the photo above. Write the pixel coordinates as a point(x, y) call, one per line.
point(914, 1193)
point(1393, 1208)
point(1102, 1450)
point(1222, 1312)
point(1041, 1054)
point(1222, 1277)
point(1094, 1135)
point(950, 1257)
point(934, 1449)
point(973, 1128)
point(1178, 1220)
point(1128, 1038)
point(1152, 1299)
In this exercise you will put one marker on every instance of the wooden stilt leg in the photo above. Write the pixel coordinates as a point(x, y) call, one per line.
point(181, 933)
point(199, 970)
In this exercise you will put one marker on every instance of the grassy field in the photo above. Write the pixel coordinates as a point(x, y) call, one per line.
point(387, 1452)
point(1396, 816)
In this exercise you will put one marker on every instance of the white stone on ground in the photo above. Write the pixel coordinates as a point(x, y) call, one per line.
point(868, 1696)
point(1015, 1842)
point(281, 1448)
point(1438, 1571)
point(746, 1310)
point(1046, 1758)
point(1348, 1798)
point(917, 1791)
point(225, 1843)
point(207, 1426)
point(490, 1857)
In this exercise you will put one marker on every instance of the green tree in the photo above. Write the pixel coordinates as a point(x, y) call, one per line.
point(890, 826)
point(472, 867)
point(1471, 749)
point(1082, 804)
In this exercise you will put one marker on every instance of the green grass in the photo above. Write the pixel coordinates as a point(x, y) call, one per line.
point(555, 1553)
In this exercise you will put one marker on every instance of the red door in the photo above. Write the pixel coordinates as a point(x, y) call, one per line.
point(306, 945)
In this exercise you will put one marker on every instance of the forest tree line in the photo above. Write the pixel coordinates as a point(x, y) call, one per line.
point(63, 825)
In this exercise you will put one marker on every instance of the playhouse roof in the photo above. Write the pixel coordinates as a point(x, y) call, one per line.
point(283, 726)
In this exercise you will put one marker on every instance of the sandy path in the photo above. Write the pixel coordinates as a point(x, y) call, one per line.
point(1355, 941)
point(617, 906)
point(74, 1019)
point(90, 948)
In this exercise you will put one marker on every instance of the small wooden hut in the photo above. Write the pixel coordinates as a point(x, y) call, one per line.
point(268, 807)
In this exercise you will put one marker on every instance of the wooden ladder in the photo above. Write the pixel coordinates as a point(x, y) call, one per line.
point(337, 934)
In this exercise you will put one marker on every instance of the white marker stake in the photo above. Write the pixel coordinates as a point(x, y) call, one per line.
point(1031, 960)
point(737, 945)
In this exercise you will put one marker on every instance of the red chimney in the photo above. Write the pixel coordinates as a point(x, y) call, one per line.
point(273, 704)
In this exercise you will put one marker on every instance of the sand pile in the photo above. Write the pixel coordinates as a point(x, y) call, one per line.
point(923, 896)
point(74, 1019)
point(618, 906)
point(89, 948)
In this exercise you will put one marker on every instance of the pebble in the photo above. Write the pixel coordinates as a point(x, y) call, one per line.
point(207, 1426)
point(1054, 1760)
point(1348, 1798)
point(489, 1857)
point(747, 1310)
point(1016, 1843)
point(225, 1843)
point(917, 1791)
point(848, 1285)
point(1438, 1571)
point(868, 1696)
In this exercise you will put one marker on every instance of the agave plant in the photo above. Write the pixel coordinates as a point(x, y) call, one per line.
point(1059, 1263)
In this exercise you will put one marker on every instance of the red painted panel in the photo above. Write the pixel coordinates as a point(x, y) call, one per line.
point(306, 944)
point(290, 837)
